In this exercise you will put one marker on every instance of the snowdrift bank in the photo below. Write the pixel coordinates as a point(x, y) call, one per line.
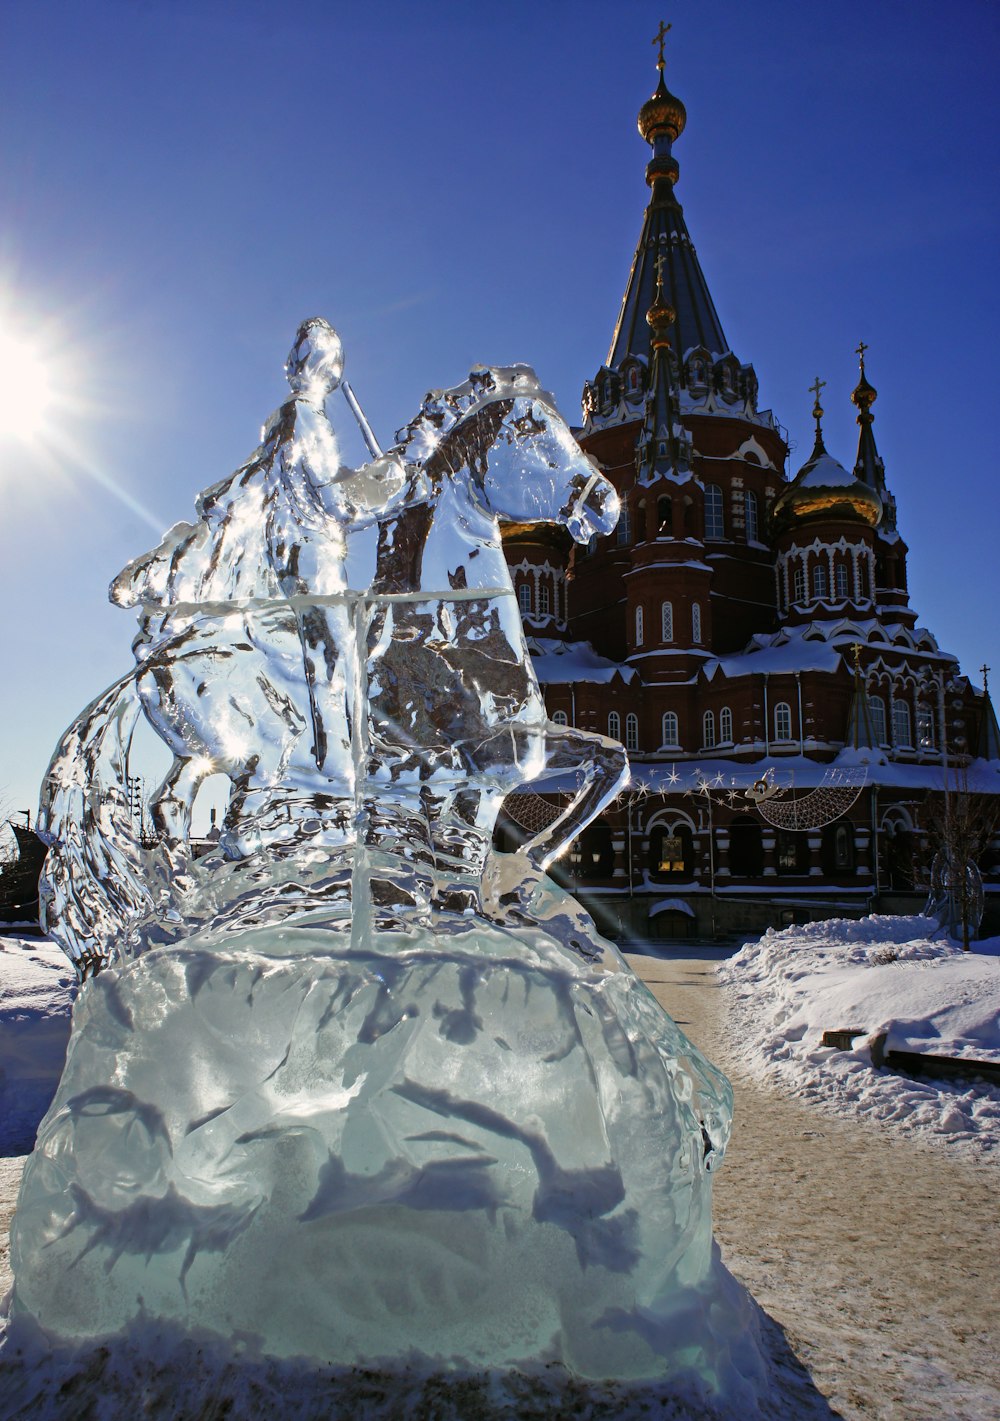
point(880, 975)
point(37, 985)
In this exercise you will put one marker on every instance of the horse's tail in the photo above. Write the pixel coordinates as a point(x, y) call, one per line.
point(92, 887)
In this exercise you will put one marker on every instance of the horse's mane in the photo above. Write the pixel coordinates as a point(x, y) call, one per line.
point(441, 411)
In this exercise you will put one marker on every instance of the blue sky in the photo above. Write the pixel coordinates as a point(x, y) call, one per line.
point(183, 183)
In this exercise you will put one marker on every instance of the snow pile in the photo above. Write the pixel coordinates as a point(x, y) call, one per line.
point(37, 986)
point(883, 977)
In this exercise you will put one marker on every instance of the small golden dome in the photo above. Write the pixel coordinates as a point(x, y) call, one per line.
point(663, 113)
point(864, 395)
point(824, 489)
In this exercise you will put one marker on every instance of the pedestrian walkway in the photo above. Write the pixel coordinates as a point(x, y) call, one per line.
point(878, 1257)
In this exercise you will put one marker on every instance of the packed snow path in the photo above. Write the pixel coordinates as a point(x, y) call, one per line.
point(878, 1256)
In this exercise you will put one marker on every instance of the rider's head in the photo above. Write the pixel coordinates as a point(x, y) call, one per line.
point(315, 362)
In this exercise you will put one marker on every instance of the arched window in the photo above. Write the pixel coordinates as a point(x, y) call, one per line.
point(633, 379)
point(696, 622)
point(715, 526)
point(840, 579)
point(782, 721)
point(665, 516)
point(615, 725)
point(638, 626)
point(524, 598)
point(670, 728)
point(792, 853)
point(726, 726)
point(667, 621)
point(799, 584)
point(544, 599)
point(623, 532)
point(560, 718)
point(819, 581)
point(901, 733)
point(925, 728)
point(631, 732)
point(876, 711)
point(837, 855)
point(746, 848)
point(671, 852)
point(750, 509)
point(708, 730)
point(593, 854)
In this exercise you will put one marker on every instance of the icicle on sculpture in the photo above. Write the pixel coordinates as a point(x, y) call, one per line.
point(353, 1084)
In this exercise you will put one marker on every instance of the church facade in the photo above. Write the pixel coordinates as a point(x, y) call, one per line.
point(747, 635)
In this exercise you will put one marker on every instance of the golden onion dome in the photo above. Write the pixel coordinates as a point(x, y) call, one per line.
point(824, 489)
point(663, 113)
point(864, 395)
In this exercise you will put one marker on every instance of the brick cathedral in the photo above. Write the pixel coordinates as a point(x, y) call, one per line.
point(746, 634)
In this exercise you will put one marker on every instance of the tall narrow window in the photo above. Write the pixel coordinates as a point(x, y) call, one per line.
point(667, 621)
point(544, 600)
point(638, 626)
point(876, 710)
point(782, 721)
point(715, 526)
point(925, 728)
point(901, 733)
point(631, 732)
point(665, 516)
point(624, 530)
point(841, 582)
point(726, 726)
point(819, 581)
point(615, 725)
point(799, 584)
point(524, 598)
point(750, 510)
point(696, 622)
point(670, 735)
point(708, 731)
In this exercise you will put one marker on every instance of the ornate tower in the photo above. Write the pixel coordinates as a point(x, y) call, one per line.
point(672, 418)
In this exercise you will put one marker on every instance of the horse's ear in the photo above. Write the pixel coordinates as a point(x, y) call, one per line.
point(481, 377)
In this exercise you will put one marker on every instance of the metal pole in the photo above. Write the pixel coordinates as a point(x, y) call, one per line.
point(366, 429)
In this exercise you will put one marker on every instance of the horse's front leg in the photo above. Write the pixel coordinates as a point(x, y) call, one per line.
point(602, 771)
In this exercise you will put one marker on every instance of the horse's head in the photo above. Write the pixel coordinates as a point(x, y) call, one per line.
point(502, 432)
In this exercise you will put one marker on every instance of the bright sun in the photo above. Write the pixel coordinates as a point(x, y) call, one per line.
point(25, 389)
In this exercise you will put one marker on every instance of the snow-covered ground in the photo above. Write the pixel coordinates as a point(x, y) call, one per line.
point(882, 976)
point(37, 985)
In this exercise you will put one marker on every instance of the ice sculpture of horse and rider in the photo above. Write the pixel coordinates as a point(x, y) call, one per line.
point(354, 1084)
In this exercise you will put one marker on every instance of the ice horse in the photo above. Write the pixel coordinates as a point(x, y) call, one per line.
point(356, 1089)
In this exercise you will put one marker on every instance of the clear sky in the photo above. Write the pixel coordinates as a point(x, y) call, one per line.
point(183, 181)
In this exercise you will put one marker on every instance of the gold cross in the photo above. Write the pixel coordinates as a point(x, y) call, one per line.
point(660, 262)
point(861, 352)
point(660, 36)
point(816, 386)
point(856, 648)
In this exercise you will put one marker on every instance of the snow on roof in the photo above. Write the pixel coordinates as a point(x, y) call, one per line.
point(797, 654)
point(560, 662)
point(671, 905)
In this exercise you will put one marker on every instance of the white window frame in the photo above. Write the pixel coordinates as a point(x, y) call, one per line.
point(902, 724)
point(544, 599)
point(631, 731)
point(667, 621)
point(783, 722)
point(708, 730)
point(926, 738)
point(524, 599)
point(820, 591)
point(614, 725)
point(696, 623)
point(842, 582)
point(671, 730)
point(876, 714)
point(560, 718)
point(715, 518)
point(725, 726)
point(798, 584)
point(750, 516)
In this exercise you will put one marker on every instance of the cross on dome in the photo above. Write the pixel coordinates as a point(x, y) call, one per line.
point(658, 38)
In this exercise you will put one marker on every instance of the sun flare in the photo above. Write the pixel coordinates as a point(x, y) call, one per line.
point(26, 393)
